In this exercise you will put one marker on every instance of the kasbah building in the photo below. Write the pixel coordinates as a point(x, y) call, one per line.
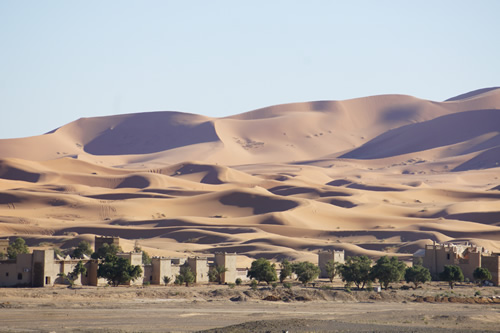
point(42, 268)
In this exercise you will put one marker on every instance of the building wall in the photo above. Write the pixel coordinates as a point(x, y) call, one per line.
point(4, 244)
point(199, 266)
point(228, 260)
point(438, 256)
point(99, 241)
point(161, 267)
point(16, 272)
point(325, 256)
point(492, 263)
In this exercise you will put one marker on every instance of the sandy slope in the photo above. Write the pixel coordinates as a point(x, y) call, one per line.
point(375, 175)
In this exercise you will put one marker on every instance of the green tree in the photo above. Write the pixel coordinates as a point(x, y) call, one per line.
point(356, 270)
point(17, 247)
point(481, 274)
point(83, 248)
point(262, 270)
point(451, 274)
point(167, 279)
point(106, 250)
point(286, 270)
point(332, 268)
point(215, 273)
point(306, 271)
point(387, 270)
point(79, 269)
point(416, 275)
point(118, 270)
point(2, 255)
point(185, 276)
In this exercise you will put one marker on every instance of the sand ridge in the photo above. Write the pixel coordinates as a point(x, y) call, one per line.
point(376, 175)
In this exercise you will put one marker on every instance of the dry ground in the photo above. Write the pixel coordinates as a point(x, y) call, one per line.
point(174, 309)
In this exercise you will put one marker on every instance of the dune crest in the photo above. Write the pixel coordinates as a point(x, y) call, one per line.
point(376, 175)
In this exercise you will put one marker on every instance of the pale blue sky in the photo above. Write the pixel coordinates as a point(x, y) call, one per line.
point(62, 60)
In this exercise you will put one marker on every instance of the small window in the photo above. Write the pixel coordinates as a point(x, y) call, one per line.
point(151, 278)
point(6, 273)
point(47, 280)
point(20, 276)
point(448, 256)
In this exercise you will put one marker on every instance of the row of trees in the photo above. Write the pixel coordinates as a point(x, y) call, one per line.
point(17, 247)
point(360, 272)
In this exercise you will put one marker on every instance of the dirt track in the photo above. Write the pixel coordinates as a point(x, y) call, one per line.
point(160, 309)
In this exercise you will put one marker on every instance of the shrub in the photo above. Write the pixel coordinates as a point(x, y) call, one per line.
point(215, 274)
point(238, 281)
point(253, 284)
point(477, 293)
point(417, 275)
point(83, 248)
point(387, 271)
point(185, 276)
point(306, 271)
point(118, 270)
point(167, 280)
point(356, 270)
point(286, 270)
point(451, 274)
point(287, 285)
point(231, 285)
point(481, 274)
point(274, 285)
point(17, 247)
point(262, 270)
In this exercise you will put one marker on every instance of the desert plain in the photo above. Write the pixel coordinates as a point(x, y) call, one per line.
point(380, 175)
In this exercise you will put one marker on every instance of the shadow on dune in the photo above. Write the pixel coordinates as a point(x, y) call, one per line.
point(152, 132)
point(261, 204)
point(439, 132)
point(12, 173)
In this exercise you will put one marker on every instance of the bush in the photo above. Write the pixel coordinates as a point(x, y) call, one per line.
point(262, 270)
point(17, 247)
point(387, 271)
point(231, 285)
point(118, 270)
point(83, 248)
point(287, 285)
point(332, 269)
point(238, 281)
point(274, 285)
point(253, 284)
point(286, 270)
point(215, 274)
point(451, 274)
point(356, 270)
point(481, 274)
point(477, 293)
point(185, 276)
point(167, 280)
point(306, 271)
point(417, 275)
point(146, 283)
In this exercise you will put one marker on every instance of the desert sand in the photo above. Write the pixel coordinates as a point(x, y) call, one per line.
point(372, 176)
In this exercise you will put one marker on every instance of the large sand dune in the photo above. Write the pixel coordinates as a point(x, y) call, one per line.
point(375, 175)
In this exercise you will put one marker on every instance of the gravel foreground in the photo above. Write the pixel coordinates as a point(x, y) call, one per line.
point(219, 308)
point(310, 325)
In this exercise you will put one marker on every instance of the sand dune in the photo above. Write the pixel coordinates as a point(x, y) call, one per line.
point(376, 175)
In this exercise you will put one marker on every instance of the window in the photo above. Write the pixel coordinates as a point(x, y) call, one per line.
point(448, 256)
point(151, 278)
point(20, 276)
point(6, 273)
point(47, 280)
